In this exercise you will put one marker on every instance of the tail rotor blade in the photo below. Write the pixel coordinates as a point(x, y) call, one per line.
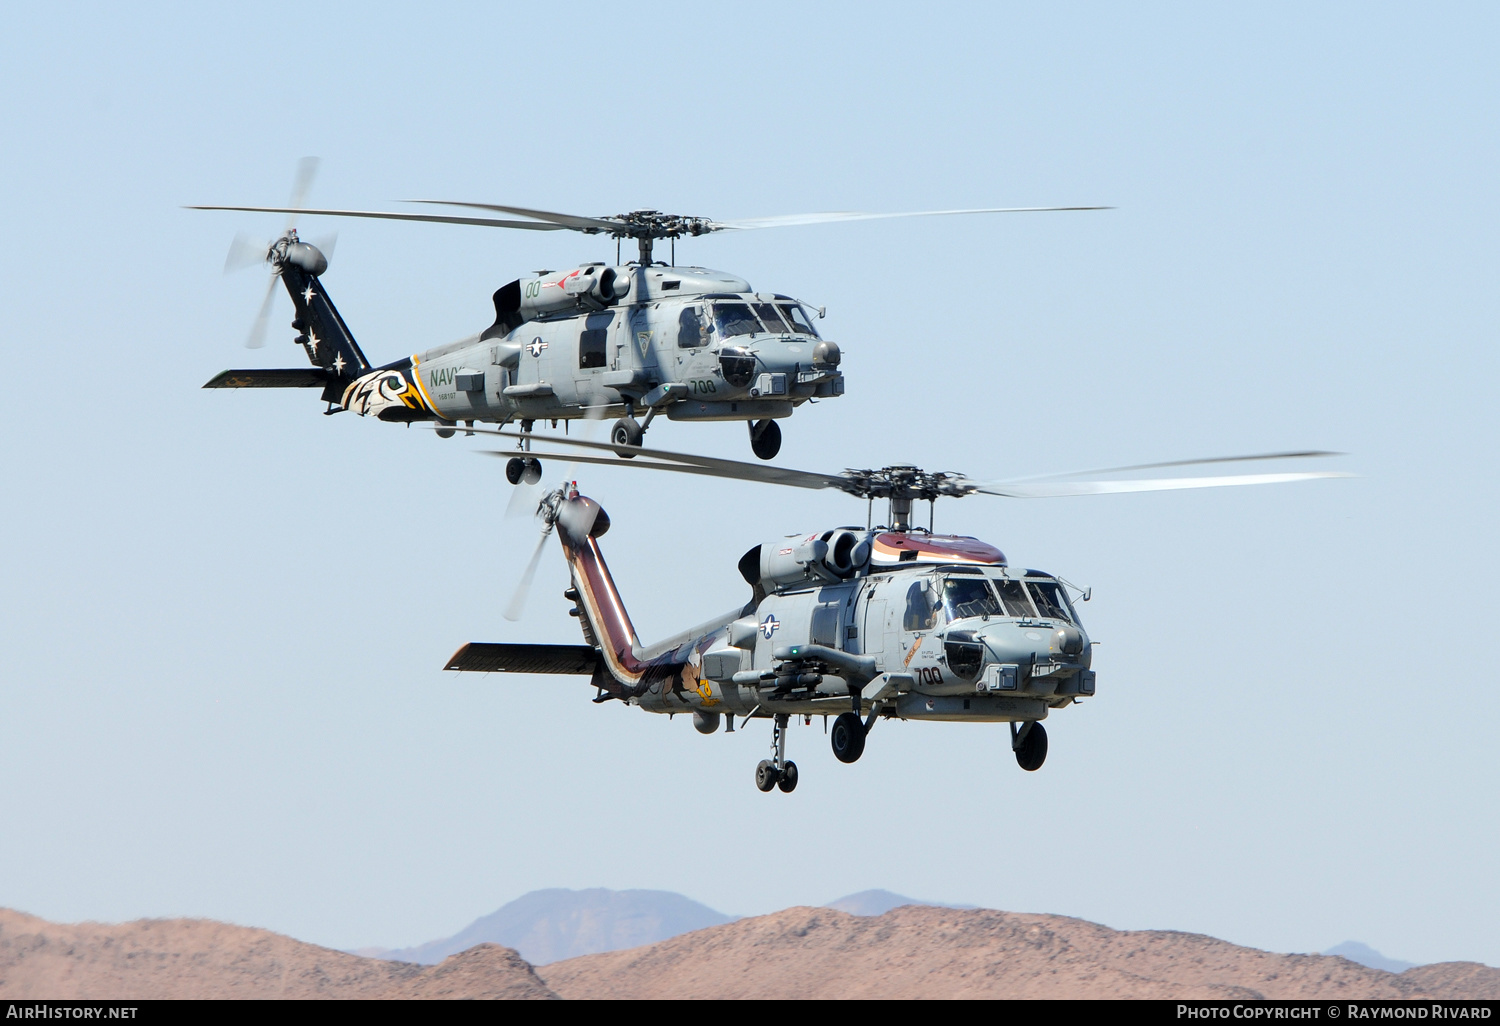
point(257, 337)
point(245, 251)
point(307, 170)
point(523, 587)
point(522, 501)
point(326, 244)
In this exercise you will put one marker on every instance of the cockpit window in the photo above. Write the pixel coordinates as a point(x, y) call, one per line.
point(689, 329)
point(921, 607)
point(1050, 601)
point(969, 597)
point(735, 319)
point(771, 319)
point(1014, 597)
point(797, 319)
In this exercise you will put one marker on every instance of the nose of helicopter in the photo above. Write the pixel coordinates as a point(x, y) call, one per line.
point(778, 364)
point(1026, 643)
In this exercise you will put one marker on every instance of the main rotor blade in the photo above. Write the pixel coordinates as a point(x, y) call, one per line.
point(790, 478)
point(790, 220)
point(257, 337)
point(1304, 454)
point(706, 464)
point(517, 604)
point(574, 221)
point(1060, 489)
point(484, 222)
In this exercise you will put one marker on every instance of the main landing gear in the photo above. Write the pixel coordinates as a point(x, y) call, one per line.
point(765, 438)
point(1029, 741)
point(626, 431)
point(778, 770)
point(848, 737)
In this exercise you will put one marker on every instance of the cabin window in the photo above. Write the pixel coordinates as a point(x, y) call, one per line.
point(1014, 597)
point(771, 319)
point(797, 318)
point(1050, 601)
point(969, 597)
point(735, 319)
point(690, 334)
point(591, 348)
point(921, 607)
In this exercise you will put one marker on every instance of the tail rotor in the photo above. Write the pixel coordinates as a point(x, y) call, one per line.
point(247, 250)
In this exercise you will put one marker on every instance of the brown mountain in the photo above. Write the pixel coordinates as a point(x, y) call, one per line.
point(199, 958)
point(910, 952)
point(924, 952)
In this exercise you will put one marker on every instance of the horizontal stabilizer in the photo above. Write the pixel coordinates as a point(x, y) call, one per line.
point(297, 377)
point(485, 657)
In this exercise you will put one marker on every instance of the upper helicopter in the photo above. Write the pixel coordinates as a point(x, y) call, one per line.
point(629, 340)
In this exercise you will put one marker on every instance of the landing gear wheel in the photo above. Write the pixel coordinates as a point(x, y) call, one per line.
point(1032, 751)
point(766, 776)
point(626, 431)
point(531, 473)
point(514, 468)
point(848, 737)
point(765, 438)
point(788, 781)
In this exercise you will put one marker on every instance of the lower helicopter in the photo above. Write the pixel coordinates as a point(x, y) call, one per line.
point(859, 623)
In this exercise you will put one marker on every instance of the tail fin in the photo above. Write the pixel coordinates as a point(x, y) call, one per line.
point(606, 623)
point(322, 332)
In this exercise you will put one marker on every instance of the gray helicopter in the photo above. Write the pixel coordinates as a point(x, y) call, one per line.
point(626, 340)
point(859, 623)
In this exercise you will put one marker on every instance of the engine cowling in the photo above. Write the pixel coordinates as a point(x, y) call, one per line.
point(797, 560)
point(589, 287)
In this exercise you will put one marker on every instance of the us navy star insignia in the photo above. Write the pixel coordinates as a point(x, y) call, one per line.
point(535, 346)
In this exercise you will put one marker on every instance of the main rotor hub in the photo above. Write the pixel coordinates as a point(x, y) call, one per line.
point(653, 224)
point(906, 482)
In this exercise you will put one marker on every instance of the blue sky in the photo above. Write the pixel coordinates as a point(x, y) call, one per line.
point(225, 615)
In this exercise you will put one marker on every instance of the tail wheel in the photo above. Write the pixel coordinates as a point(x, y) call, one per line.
point(626, 431)
point(847, 737)
point(766, 776)
point(514, 468)
point(531, 472)
point(1033, 749)
point(765, 438)
point(788, 781)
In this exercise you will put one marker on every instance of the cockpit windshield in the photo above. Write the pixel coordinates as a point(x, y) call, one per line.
point(969, 596)
point(779, 318)
point(797, 319)
point(771, 319)
point(1050, 600)
point(1014, 597)
point(735, 319)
